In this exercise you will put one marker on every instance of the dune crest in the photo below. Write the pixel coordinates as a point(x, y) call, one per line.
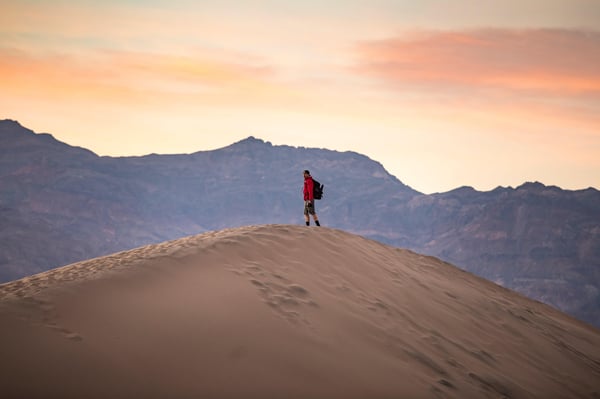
point(284, 311)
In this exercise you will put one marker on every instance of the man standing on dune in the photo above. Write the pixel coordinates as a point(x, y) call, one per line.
point(309, 199)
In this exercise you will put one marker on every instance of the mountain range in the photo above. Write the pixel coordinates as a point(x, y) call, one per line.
point(60, 204)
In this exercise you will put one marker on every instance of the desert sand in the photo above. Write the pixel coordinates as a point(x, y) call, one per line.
point(280, 311)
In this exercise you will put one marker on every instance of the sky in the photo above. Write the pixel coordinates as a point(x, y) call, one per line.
point(443, 93)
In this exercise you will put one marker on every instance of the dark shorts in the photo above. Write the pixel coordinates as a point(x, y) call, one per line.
point(309, 208)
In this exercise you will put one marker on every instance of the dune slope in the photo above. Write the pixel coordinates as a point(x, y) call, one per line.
point(282, 311)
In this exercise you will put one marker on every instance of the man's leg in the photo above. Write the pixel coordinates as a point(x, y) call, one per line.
point(316, 219)
point(306, 213)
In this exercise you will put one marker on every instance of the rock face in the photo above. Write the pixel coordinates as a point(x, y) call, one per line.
point(541, 241)
point(61, 204)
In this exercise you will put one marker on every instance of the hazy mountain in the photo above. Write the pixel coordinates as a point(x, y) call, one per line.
point(60, 204)
point(541, 241)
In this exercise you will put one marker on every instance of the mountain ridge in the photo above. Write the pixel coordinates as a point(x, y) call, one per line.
point(253, 140)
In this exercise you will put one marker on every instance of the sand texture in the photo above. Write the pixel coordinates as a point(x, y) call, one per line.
point(282, 311)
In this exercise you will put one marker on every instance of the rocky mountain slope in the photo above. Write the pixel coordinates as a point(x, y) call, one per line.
point(60, 204)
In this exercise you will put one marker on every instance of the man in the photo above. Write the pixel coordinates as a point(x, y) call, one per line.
point(309, 199)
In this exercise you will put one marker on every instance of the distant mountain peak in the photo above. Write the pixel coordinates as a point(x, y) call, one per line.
point(536, 186)
point(10, 125)
point(10, 122)
point(13, 134)
point(251, 140)
point(463, 190)
point(249, 143)
point(12, 130)
point(532, 185)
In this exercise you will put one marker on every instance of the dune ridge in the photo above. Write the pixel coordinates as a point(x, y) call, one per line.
point(278, 311)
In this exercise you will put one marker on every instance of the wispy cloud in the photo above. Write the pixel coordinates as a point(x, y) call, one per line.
point(121, 76)
point(559, 61)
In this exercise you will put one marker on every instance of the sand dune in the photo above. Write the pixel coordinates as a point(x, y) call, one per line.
point(284, 312)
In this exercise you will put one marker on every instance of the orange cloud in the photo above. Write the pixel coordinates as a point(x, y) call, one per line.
point(131, 76)
point(538, 60)
point(190, 69)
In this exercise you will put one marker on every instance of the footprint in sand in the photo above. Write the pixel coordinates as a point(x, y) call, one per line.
point(40, 312)
point(283, 296)
point(65, 332)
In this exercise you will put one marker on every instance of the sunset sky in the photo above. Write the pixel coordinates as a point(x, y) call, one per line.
point(444, 93)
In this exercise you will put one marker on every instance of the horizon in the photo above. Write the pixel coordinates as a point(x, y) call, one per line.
point(442, 94)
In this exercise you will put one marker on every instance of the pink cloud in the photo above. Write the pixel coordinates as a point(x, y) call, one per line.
point(539, 60)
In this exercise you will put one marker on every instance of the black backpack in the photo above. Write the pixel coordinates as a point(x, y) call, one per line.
point(317, 189)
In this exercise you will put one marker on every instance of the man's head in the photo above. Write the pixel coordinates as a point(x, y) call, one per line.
point(306, 173)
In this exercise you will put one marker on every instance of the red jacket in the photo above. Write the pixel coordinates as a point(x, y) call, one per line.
point(308, 189)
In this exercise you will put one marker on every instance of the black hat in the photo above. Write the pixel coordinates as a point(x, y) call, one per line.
point(306, 171)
